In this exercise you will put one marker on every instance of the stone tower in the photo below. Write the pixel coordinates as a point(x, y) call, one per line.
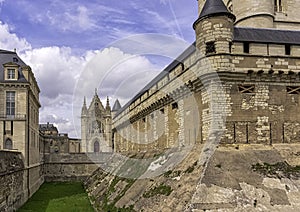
point(255, 13)
point(279, 14)
point(96, 125)
point(214, 28)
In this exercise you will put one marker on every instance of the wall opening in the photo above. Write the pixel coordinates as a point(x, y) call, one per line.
point(8, 144)
point(96, 146)
point(246, 46)
point(210, 47)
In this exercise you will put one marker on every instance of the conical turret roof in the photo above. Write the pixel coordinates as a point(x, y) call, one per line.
point(214, 7)
point(117, 106)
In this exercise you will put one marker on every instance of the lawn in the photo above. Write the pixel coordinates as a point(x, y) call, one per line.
point(55, 197)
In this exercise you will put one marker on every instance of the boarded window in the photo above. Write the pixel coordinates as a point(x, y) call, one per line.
point(249, 89)
point(293, 89)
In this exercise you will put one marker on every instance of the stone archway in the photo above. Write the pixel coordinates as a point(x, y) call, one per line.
point(8, 144)
point(96, 146)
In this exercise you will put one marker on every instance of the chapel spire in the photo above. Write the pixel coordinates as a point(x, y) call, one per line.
point(84, 108)
point(107, 105)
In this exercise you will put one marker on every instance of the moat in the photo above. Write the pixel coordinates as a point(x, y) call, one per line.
point(67, 196)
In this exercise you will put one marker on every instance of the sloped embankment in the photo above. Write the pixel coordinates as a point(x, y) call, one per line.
point(237, 178)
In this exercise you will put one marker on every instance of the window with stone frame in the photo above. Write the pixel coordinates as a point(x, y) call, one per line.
point(278, 6)
point(293, 89)
point(11, 74)
point(246, 89)
point(210, 47)
point(230, 6)
point(10, 103)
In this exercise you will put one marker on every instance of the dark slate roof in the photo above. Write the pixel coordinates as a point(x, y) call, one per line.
point(117, 106)
point(214, 7)
point(11, 57)
point(260, 35)
point(160, 76)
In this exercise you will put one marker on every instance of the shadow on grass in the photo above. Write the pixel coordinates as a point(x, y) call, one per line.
point(58, 197)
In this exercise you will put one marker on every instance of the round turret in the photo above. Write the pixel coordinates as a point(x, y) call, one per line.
point(254, 13)
point(214, 28)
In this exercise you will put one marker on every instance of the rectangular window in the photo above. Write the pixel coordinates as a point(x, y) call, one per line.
point(210, 48)
point(174, 106)
point(287, 49)
point(11, 74)
point(278, 6)
point(10, 103)
point(246, 47)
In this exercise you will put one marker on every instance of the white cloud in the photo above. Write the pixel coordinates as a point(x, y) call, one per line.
point(79, 20)
point(113, 72)
point(11, 41)
point(56, 69)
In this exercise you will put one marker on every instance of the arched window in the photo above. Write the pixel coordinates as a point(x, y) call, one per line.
point(96, 146)
point(8, 144)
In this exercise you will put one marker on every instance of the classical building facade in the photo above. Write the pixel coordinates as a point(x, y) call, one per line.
point(238, 83)
point(96, 124)
point(19, 111)
point(19, 118)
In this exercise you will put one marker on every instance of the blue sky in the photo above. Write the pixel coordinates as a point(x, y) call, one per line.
point(86, 25)
point(75, 44)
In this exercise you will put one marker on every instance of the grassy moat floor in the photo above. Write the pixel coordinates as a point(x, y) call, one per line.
point(56, 197)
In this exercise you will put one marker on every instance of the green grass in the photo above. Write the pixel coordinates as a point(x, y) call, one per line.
point(280, 169)
point(56, 197)
point(110, 206)
point(159, 190)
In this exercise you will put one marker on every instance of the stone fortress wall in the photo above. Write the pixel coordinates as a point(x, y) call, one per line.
point(246, 91)
point(221, 87)
point(17, 182)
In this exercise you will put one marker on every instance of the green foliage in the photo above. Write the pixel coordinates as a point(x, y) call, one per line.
point(58, 197)
point(159, 190)
point(110, 206)
point(280, 169)
point(191, 168)
point(172, 174)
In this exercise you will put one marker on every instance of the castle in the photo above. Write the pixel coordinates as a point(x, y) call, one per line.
point(238, 83)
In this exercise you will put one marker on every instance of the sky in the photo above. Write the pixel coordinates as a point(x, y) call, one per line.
point(77, 46)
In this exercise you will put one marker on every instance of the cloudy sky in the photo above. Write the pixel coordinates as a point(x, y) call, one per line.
point(75, 46)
